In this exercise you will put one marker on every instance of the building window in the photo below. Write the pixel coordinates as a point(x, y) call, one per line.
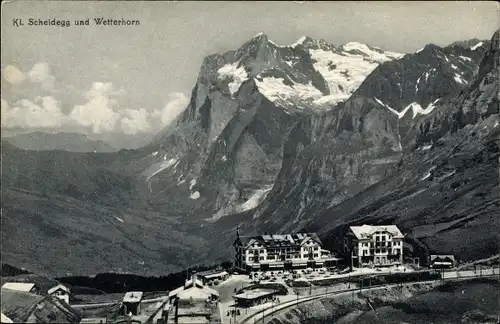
point(377, 238)
point(261, 258)
point(315, 255)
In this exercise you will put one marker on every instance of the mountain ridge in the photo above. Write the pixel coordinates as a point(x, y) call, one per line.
point(71, 142)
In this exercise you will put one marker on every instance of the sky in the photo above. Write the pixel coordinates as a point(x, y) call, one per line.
point(126, 83)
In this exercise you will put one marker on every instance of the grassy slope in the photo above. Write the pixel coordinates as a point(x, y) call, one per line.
point(62, 235)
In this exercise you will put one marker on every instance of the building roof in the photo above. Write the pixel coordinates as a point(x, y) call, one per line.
point(442, 258)
point(19, 286)
point(181, 289)
point(93, 320)
point(58, 287)
point(277, 240)
point(366, 231)
point(216, 275)
point(189, 283)
point(255, 294)
point(195, 293)
point(132, 297)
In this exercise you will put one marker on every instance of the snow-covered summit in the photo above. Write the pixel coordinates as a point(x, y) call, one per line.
point(308, 70)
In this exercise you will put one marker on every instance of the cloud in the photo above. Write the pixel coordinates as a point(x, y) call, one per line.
point(176, 105)
point(43, 112)
point(13, 75)
point(99, 112)
point(136, 121)
point(41, 73)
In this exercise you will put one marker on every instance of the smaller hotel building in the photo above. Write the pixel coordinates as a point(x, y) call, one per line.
point(281, 252)
point(369, 245)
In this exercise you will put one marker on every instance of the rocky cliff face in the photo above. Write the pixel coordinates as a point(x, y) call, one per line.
point(444, 190)
point(226, 151)
point(364, 137)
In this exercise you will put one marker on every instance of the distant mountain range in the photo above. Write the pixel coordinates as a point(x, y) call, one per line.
point(309, 136)
point(71, 142)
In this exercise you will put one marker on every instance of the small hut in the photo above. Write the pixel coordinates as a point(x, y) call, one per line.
point(132, 303)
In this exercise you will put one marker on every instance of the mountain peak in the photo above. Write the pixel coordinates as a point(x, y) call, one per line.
point(431, 48)
point(260, 37)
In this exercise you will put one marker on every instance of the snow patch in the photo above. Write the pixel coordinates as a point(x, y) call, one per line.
point(192, 183)
point(426, 147)
point(224, 158)
point(257, 197)
point(380, 57)
point(415, 107)
point(237, 74)
point(154, 153)
point(496, 124)
point(465, 58)
point(416, 84)
point(119, 219)
point(164, 165)
point(344, 72)
point(428, 73)
point(299, 41)
point(275, 89)
point(476, 46)
point(428, 173)
point(195, 195)
point(391, 109)
point(453, 66)
point(459, 79)
point(181, 182)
